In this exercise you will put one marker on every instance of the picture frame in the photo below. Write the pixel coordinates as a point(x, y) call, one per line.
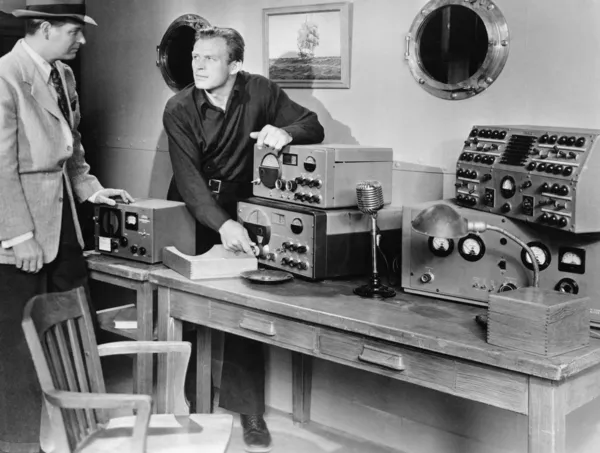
point(308, 46)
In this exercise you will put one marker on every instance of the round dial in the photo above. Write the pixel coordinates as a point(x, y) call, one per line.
point(441, 246)
point(269, 170)
point(542, 255)
point(310, 164)
point(297, 226)
point(258, 226)
point(508, 187)
point(471, 248)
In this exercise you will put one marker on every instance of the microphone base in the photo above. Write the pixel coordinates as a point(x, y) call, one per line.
point(374, 289)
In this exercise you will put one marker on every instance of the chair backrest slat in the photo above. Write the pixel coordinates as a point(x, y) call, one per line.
point(60, 383)
point(82, 378)
point(60, 335)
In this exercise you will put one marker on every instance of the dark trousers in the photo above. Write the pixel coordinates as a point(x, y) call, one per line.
point(20, 395)
point(242, 387)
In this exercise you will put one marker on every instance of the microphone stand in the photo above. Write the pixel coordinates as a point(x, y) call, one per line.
point(374, 288)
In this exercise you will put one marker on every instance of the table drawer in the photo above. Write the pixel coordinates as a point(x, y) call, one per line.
point(266, 328)
point(462, 378)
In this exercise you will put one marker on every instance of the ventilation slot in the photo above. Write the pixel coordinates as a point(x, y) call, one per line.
point(517, 150)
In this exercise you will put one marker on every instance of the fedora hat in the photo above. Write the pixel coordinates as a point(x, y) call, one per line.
point(70, 9)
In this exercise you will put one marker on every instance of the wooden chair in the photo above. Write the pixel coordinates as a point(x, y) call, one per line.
point(60, 336)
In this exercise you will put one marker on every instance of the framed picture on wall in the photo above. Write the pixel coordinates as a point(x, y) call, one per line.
point(308, 46)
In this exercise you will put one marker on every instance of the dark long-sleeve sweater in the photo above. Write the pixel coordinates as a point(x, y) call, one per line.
point(207, 143)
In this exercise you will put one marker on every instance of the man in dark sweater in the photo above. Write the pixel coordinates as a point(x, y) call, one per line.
point(212, 127)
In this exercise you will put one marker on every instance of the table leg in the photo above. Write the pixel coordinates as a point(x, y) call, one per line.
point(203, 367)
point(301, 387)
point(145, 332)
point(169, 329)
point(547, 416)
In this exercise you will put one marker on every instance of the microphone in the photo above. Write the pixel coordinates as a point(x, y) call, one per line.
point(369, 195)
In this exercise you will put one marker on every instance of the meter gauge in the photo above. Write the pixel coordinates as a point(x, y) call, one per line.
point(567, 285)
point(571, 259)
point(269, 170)
point(541, 253)
point(508, 187)
point(471, 248)
point(297, 226)
point(441, 247)
point(310, 164)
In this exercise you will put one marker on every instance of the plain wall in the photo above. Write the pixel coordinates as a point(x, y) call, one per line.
point(550, 78)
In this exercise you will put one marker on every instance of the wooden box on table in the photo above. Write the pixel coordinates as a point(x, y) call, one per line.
point(540, 321)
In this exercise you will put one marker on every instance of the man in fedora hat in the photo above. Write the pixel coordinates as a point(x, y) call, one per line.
point(42, 172)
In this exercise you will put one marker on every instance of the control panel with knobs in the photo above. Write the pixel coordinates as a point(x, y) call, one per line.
point(541, 175)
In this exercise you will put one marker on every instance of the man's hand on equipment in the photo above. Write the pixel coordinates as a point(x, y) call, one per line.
point(234, 238)
point(271, 136)
point(29, 256)
point(103, 196)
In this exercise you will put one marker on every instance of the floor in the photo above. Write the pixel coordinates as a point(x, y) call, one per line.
point(287, 438)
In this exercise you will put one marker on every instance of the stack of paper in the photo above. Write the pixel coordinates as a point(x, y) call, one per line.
point(216, 263)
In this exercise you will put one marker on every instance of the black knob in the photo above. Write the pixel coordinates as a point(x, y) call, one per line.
point(486, 177)
point(460, 198)
point(564, 191)
point(552, 139)
point(463, 156)
point(302, 249)
point(544, 138)
point(563, 222)
point(545, 187)
point(316, 199)
point(531, 166)
point(298, 180)
point(544, 218)
point(124, 241)
point(474, 132)
point(550, 168)
point(568, 171)
point(558, 169)
point(291, 186)
point(571, 141)
point(133, 249)
point(293, 247)
point(505, 208)
point(562, 140)
point(472, 201)
point(492, 159)
point(114, 244)
point(317, 183)
point(302, 266)
point(308, 182)
point(555, 188)
point(526, 185)
point(292, 263)
point(142, 251)
point(541, 166)
point(580, 142)
point(280, 184)
point(286, 245)
point(469, 157)
point(477, 158)
point(284, 261)
point(460, 172)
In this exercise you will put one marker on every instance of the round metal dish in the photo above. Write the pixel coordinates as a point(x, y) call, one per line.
point(267, 276)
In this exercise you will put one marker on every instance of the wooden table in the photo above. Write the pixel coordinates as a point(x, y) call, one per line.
point(132, 275)
point(428, 342)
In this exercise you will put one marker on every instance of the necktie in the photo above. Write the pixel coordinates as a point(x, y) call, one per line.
point(56, 81)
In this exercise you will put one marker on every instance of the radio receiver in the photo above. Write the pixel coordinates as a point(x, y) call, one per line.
point(139, 231)
point(323, 176)
point(314, 243)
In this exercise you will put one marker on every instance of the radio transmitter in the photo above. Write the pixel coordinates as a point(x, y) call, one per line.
point(314, 243)
point(323, 176)
point(469, 269)
point(542, 175)
point(139, 231)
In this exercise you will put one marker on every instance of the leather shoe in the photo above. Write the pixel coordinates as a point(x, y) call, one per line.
point(256, 434)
